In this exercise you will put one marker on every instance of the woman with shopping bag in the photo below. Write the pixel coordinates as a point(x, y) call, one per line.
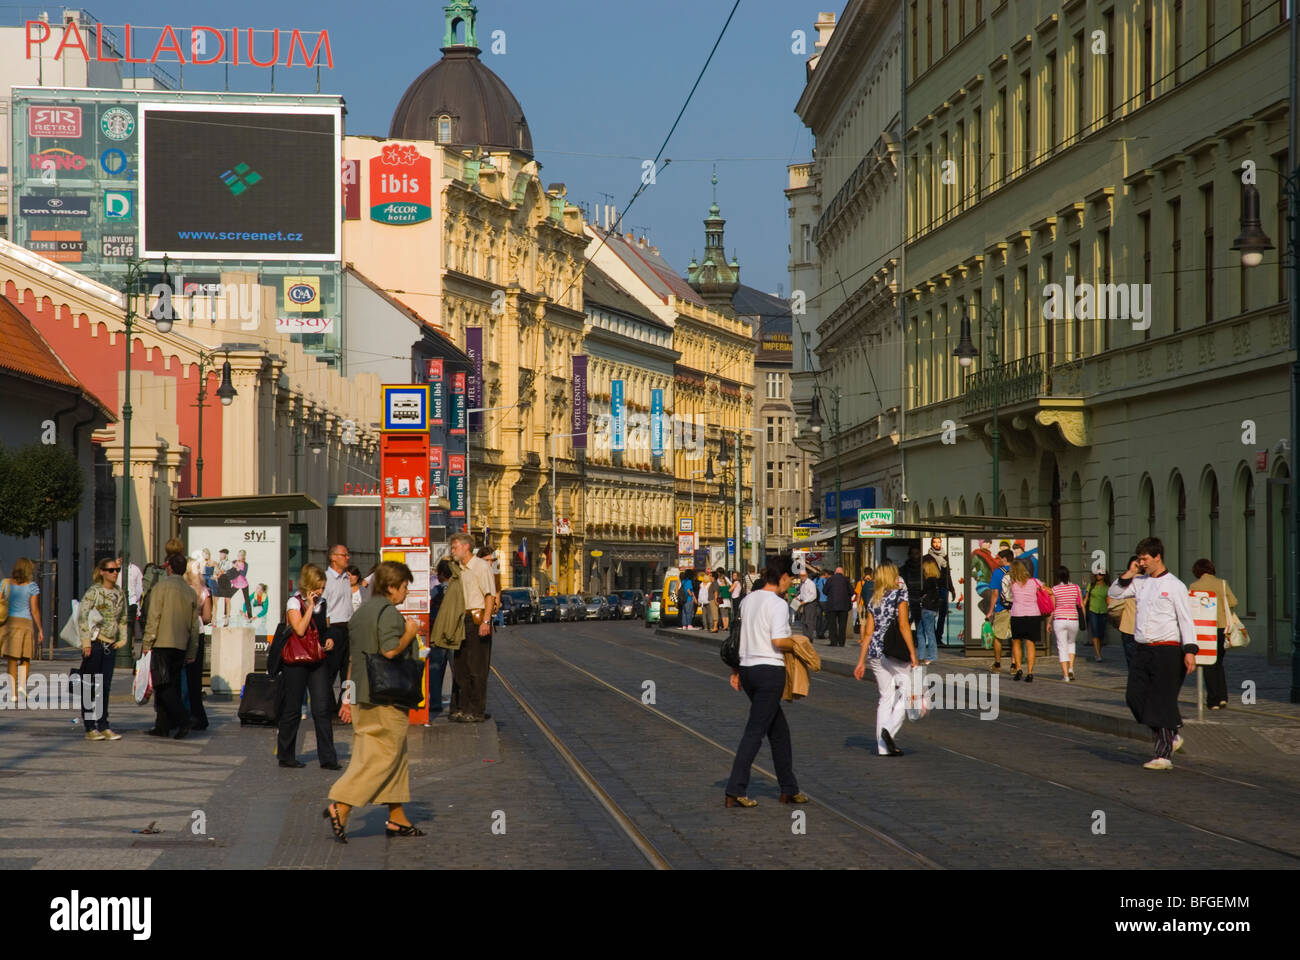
point(1216, 682)
point(99, 619)
point(886, 641)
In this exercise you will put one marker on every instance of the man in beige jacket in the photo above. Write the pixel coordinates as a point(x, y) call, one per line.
point(172, 633)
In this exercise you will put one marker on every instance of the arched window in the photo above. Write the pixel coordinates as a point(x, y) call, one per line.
point(1147, 502)
point(979, 505)
point(1246, 571)
point(1002, 510)
point(961, 506)
point(1107, 503)
point(443, 134)
point(1279, 501)
point(1177, 546)
point(1208, 534)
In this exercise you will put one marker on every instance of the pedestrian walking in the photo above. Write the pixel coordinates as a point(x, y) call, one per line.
point(686, 603)
point(99, 644)
point(338, 612)
point(1165, 635)
point(171, 633)
point(809, 605)
point(1096, 602)
point(708, 612)
point(937, 554)
point(1216, 682)
point(472, 661)
point(887, 608)
point(1124, 614)
point(724, 587)
point(378, 770)
point(447, 614)
point(1021, 591)
point(21, 635)
point(839, 601)
point(752, 580)
point(1066, 618)
point(357, 587)
point(764, 635)
point(931, 599)
point(998, 607)
point(192, 694)
point(914, 579)
point(305, 669)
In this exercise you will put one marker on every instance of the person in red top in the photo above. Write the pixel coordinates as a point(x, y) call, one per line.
point(1066, 619)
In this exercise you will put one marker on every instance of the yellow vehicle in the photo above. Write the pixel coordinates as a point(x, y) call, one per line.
point(668, 597)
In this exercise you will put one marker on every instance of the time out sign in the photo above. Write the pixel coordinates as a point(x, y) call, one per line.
point(401, 188)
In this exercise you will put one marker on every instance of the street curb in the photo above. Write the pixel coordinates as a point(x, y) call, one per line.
point(1093, 720)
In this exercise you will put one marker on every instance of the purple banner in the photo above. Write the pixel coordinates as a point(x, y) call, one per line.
point(578, 421)
point(474, 347)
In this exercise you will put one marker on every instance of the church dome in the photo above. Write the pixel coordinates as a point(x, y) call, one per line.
point(459, 101)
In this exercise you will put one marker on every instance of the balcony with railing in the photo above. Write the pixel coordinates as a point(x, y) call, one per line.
point(1016, 381)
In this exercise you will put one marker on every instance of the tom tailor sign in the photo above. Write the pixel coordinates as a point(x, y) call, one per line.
point(52, 207)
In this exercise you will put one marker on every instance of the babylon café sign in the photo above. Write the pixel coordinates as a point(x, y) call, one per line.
point(207, 45)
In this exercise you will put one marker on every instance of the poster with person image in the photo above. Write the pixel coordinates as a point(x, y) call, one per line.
point(242, 562)
point(983, 563)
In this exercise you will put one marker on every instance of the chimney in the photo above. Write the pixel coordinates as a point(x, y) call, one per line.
point(824, 26)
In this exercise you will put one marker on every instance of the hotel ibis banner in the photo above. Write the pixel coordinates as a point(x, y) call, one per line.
point(401, 189)
point(618, 414)
point(578, 419)
point(474, 388)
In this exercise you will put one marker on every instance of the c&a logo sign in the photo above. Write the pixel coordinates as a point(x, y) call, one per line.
point(302, 294)
point(401, 186)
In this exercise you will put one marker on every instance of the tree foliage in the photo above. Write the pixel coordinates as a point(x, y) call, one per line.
point(40, 485)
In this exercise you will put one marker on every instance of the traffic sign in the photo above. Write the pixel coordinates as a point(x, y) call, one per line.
point(875, 523)
point(731, 544)
point(1205, 615)
point(685, 524)
point(802, 533)
point(685, 543)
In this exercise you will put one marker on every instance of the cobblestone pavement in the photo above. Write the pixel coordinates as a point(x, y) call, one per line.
point(1013, 792)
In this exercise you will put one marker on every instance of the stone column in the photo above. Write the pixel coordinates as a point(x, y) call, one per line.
point(240, 422)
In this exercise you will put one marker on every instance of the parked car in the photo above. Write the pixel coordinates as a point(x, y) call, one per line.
point(548, 610)
point(631, 604)
point(596, 608)
point(577, 608)
point(615, 608)
point(651, 608)
point(524, 602)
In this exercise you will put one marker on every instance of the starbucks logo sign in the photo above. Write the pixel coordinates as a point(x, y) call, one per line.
point(117, 123)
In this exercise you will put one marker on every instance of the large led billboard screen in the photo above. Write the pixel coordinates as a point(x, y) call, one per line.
point(225, 182)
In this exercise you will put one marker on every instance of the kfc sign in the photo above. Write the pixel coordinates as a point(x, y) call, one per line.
point(54, 122)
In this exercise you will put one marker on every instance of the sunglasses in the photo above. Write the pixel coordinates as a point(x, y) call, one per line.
point(112, 569)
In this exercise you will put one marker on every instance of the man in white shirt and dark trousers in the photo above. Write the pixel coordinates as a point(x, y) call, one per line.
point(1166, 647)
point(764, 634)
point(338, 608)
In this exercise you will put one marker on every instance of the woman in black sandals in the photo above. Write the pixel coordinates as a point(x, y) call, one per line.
point(378, 771)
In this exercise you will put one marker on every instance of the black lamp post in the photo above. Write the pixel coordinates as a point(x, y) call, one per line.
point(1252, 242)
point(226, 393)
point(965, 352)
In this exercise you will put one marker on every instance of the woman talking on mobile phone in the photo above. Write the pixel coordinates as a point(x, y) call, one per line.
point(303, 671)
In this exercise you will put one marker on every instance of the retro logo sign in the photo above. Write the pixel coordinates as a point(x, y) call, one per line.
point(54, 122)
point(401, 187)
point(301, 294)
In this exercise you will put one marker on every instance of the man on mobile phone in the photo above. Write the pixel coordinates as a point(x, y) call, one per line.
point(1166, 647)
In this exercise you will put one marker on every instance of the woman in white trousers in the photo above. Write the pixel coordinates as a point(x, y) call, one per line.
point(888, 605)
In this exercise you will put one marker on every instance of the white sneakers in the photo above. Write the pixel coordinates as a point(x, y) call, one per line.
point(1159, 763)
point(103, 735)
point(1178, 743)
point(94, 735)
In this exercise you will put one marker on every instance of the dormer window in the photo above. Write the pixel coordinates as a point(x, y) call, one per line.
point(443, 134)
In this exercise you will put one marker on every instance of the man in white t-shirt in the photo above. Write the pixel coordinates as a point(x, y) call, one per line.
point(764, 635)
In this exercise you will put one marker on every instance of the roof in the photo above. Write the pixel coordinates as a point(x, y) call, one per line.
point(483, 111)
point(600, 288)
point(654, 270)
point(773, 312)
point(260, 505)
point(426, 325)
point(26, 354)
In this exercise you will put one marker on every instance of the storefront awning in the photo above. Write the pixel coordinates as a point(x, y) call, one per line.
point(260, 505)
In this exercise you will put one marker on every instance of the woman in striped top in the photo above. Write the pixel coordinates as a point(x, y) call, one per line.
point(1066, 619)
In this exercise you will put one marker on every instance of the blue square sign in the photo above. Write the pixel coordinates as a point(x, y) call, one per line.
point(406, 407)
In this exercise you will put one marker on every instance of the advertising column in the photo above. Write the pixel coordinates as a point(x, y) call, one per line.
point(404, 503)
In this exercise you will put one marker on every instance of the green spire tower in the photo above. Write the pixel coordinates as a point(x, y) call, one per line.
point(456, 13)
point(715, 278)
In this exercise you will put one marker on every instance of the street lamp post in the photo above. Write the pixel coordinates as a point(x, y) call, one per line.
point(760, 505)
point(1252, 242)
point(555, 520)
point(965, 352)
point(226, 393)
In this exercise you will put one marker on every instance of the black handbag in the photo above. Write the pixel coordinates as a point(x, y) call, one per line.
point(895, 645)
point(730, 651)
point(395, 683)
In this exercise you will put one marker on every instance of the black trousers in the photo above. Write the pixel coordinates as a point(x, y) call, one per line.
point(938, 624)
point(313, 678)
point(808, 613)
point(97, 669)
point(1154, 678)
point(194, 680)
point(839, 623)
point(1216, 681)
point(763, 684)
point(166, 668)
point(469, 671)
point(336, 660)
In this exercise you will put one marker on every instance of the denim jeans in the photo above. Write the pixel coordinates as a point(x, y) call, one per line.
point(927, 649)
point(437, 676)
point(1097, 625)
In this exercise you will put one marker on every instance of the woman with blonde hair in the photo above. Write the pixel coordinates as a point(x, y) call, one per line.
point(99, 644)
point(194, 670)
point(22, 633)
point(887, 610)
point(379, 771)
point(931, 601)
point(1021, 589)
point(304, 670)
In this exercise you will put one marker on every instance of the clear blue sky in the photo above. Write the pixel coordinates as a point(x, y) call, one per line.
point(600, 82)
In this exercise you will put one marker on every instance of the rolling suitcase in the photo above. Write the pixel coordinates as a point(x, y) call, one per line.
point(261, 699)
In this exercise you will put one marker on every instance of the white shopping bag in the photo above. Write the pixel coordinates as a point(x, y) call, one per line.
point(71, 633)
point(142, 688)
point(917, 707)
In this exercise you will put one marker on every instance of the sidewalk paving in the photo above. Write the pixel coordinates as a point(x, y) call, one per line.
point(1095, 700)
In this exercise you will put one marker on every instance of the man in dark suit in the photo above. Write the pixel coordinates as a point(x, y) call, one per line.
point(839, 601)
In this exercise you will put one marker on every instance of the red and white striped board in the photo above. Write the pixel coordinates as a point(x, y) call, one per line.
point(1205, 615)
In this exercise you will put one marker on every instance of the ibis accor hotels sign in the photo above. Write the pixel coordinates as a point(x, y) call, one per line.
point(201, 44)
